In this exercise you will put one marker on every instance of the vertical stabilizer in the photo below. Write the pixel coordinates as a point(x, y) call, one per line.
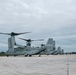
point(50, 41)
point(59, 50)
point(50, 46)
point(54, 43)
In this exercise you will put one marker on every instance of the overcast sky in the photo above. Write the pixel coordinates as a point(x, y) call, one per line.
point(44, 18)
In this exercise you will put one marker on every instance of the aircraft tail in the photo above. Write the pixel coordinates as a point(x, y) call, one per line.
point(51, 42)
point(59, 49)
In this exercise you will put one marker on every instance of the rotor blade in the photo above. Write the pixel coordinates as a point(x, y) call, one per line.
point(14, 34)
point(5, 33)
point(22, 33)
point(23, 39)
point(38, 40)
point(31, 40)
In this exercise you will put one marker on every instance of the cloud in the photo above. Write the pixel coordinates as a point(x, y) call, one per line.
point(45, 18)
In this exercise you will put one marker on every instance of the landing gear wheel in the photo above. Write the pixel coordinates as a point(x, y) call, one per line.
point(39, 55)
point(7, 55)
point(30, 55)
point(14, 55)
point(26, 55)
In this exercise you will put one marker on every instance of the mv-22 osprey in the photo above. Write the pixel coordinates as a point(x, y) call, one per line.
point(21, 50)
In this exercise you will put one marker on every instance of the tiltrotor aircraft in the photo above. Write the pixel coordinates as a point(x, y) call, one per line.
point(21, 50)
point(28, 41)
point(49, 46)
